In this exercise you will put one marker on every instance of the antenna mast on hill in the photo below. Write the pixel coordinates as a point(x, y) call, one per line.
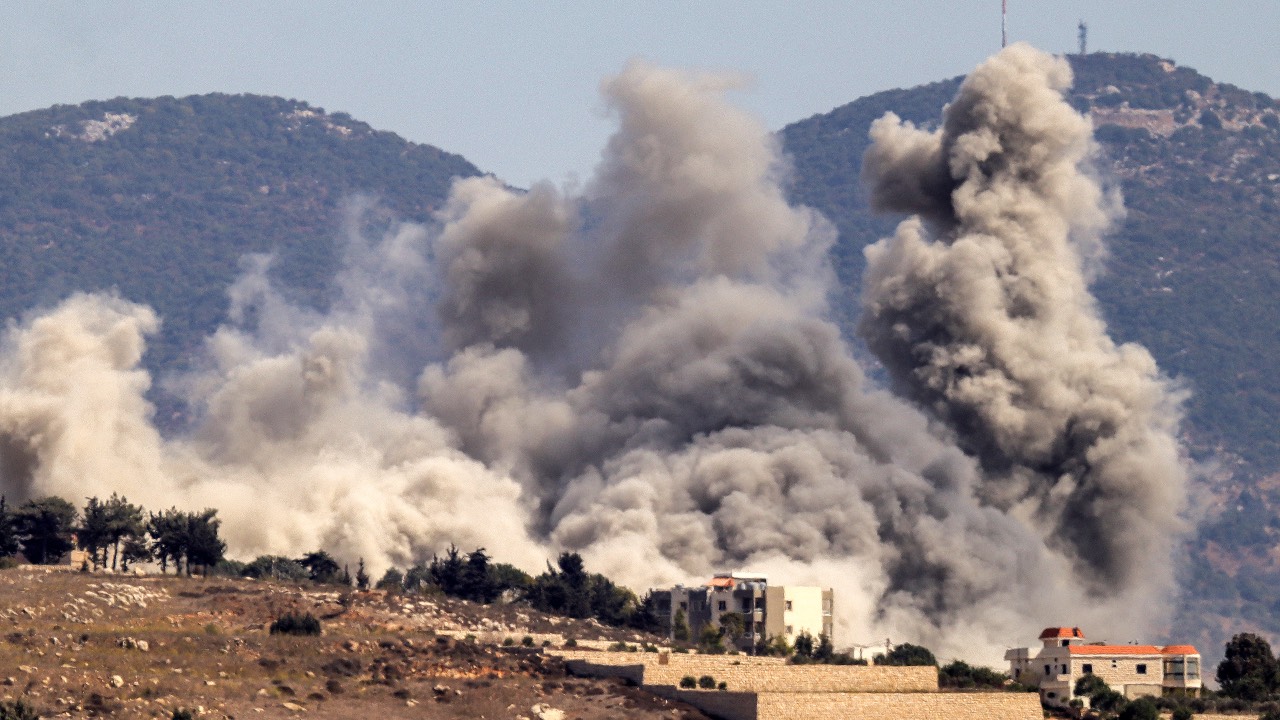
point(1004, 25)
point(1084, 37)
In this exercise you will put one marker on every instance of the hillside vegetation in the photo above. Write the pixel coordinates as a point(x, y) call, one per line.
point(160, 199)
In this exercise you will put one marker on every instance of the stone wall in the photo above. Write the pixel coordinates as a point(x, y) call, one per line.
point(864, 706)
point(752, 674)
point(898, 706)
point(716, 703)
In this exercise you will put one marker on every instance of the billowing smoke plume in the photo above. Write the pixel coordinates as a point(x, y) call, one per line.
point(981, 312)
point(646, 374)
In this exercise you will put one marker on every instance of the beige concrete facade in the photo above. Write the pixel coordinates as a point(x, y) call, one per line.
point(768, 611)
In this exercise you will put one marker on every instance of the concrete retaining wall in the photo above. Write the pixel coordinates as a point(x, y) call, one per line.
point(716, 703)
point(863, 706)
point(899, 706)
point(752, 674)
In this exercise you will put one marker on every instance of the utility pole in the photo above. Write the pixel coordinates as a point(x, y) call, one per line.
point(1084, 37)
point(1004, 25)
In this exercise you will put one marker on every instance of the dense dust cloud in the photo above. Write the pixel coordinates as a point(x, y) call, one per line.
point(645, 372)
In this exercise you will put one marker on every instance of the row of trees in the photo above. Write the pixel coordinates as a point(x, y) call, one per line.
point(563, 589)
point(114, 533)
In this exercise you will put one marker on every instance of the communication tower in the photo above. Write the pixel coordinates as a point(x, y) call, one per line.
point(1083, 35)
point(1004, 25)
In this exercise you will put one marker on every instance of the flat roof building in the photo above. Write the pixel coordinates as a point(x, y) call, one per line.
point(767, 611)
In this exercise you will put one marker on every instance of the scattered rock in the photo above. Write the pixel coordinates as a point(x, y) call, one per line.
point(293, 706)
point(543, 711)
point(116, 681)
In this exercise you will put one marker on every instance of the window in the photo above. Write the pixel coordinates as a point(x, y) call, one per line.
point(1066, 643)
point(788, 604)
point(1141, 668)
point(1113, 664)
point(1064, 669)
point(1047, 670)
point(684, 605)
point(1087, 668)
point(723, 606)
point(790, 630)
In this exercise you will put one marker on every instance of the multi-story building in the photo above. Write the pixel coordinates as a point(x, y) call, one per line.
point(767, 611)
point(1132, 670)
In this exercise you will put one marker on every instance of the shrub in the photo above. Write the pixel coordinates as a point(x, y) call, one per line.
point(706, 682)
point(1182, 713)
point(570, 643)
point(17, 710)
point(688, 681)
point(508, 642)
point(723, 685)
point(1140, 709)
point(527, 641)
point(182, 714)
point(295, 624)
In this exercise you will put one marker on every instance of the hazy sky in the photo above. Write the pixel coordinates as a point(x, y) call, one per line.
point(512, 85)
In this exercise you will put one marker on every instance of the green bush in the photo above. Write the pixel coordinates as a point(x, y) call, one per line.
point(295, 624)
point(182, 714)
point(527, 641)
point(1182, 713)
point(508, 642)
point(688, 681)
point(706, 682)
point(571, 643)
point(17, 710)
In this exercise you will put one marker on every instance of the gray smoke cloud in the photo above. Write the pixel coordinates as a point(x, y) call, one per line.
point(980, 310)
point(645, 372)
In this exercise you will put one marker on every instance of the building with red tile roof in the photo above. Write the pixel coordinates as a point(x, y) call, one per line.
point(1132, 670)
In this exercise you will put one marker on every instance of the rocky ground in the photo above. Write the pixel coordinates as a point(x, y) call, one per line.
point(91, 645)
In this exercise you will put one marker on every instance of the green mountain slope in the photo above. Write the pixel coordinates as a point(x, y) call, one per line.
point(160, 199)
point(1193, 274)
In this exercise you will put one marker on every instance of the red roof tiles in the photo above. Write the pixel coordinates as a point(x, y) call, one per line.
point(1061, 632)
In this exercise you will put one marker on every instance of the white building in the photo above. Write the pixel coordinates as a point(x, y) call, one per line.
point(1132, 670)
point(768, 611)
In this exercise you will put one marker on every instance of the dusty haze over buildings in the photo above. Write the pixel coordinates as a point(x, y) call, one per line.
point(644, 372)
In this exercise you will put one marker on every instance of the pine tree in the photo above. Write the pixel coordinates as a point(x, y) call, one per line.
point(9, 544)
point(46, 527)
point(123, 520)
point(362, 577)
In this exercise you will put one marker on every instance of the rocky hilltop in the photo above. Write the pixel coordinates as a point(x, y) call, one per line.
point(87, 645)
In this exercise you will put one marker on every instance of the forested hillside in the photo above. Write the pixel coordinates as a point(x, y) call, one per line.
point(1192, 274)
point(161, 198)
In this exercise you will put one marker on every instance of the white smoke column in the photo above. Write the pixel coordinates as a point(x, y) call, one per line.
point(982, 313)
point(73, 420)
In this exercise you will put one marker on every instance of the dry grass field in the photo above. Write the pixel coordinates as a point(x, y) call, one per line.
point(89, 645)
